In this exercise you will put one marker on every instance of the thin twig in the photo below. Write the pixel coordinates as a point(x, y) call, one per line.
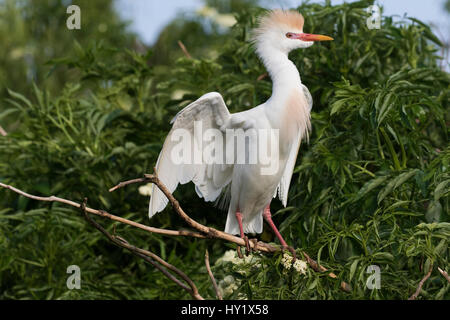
point(148, 256)
point(211, 276)
point(208, 231)
point(444, 274)
point(419, 288)
point(125, 183)
point(262, 76)
point(3, 132)
point(183, 48)
point(105, 214)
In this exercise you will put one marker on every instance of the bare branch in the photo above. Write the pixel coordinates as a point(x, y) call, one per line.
point(125, 183)
point(148, 256)
point(262, 76)
point(444, 274)
point(106, 214)
point(211, 276)
point(185, 51)
point(3, 132)
point(212, 232)
point(419, 288)
point(208, 231)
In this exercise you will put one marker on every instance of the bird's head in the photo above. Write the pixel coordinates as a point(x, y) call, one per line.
point(283, 31)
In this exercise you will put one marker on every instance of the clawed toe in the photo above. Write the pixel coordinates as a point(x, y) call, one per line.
point(239, 253)
point(248, 248)
point(251, 248)
point(254, 241)
point(291, 250)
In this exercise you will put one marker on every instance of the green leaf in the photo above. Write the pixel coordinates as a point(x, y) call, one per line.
point(353, 269)
point(384, 109)
point(441, 247)
point(434, 212)
point(7, 112)
point(20, 97)
point(369, 186)
point(383, 256)
point(240, 88)
point(441, 190)
point(395, 183)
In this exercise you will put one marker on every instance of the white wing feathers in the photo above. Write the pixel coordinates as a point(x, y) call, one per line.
point(283, 187)
point(209, 179)
point(308, 97)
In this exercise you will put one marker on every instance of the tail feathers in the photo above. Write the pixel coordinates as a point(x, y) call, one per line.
point(223, 200)
point(158, 201)
point(253, 226)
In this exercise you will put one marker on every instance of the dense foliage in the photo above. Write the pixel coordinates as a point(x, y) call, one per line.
point(32, 33)
point(371, 187)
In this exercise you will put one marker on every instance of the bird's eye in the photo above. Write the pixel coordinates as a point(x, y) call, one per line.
point(289, 35)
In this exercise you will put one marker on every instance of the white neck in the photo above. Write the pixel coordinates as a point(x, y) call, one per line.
point(287, 97)
point(282, 71)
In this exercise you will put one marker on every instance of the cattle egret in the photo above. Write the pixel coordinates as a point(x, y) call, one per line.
point(246, 188)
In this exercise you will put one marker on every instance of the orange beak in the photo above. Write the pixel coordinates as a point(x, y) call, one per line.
point(310, 37)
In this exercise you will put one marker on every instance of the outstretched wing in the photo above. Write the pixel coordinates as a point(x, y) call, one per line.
point(179, 160)
point(283, 187)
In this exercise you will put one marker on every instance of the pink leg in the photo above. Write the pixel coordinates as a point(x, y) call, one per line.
point(243, 236)
point(239, 219)
point(268, 216)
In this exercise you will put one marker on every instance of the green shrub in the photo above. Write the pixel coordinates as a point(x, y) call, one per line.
point(371, 187)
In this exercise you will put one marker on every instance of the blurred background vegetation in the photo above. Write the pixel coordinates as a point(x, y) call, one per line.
point(86, 109)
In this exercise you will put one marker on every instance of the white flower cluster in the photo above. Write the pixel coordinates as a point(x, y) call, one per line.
point(146, 190)
point(231, 256)
point(299, 265)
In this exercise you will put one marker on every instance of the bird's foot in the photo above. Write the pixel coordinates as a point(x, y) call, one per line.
point(247, 246)
point(250, 248)
point(291, 250)
point(254, 241)
point(239, 253)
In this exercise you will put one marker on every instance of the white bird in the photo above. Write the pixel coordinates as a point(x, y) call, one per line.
point(248, 191)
